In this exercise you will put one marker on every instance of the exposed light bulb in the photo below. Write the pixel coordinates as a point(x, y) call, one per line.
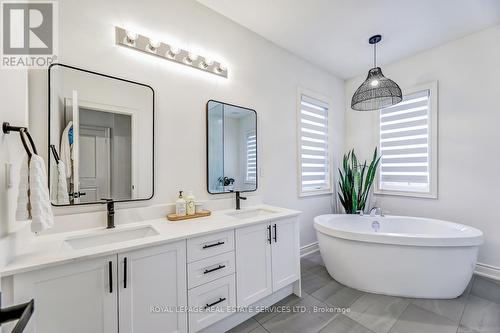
point(153, 45)
point(191, 57)
point(131, 36)
point(374, 83)
point(221, 68)
point(173, 51)
point(206, 62)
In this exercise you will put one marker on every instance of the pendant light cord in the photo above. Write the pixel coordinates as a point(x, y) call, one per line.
point(374, 55)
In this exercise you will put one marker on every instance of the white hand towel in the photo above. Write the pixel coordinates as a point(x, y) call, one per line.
point(62, 185)
point(41, 210)
point(33, 201)
point(59, 185)
point(22, 211)
point(54, 182)
point(66, 149)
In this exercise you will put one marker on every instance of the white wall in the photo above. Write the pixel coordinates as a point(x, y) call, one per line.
point(13, 95)
point(262, 76)
point(469, 153)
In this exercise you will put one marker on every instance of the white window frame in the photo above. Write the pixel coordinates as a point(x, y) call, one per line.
point(329, 190)
point(433, 146)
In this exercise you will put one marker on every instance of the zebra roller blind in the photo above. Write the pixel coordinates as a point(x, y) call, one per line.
point(314, 160)
point(405, 144)
point(251, 157)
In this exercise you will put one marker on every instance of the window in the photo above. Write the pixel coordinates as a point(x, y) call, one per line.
point(251, 157)
point(314, 159)
point(407, 141)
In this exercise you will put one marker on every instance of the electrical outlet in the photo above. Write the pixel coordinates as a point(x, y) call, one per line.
point(8, 175)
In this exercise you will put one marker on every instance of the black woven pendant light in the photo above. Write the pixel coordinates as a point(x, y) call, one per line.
point(377, 92)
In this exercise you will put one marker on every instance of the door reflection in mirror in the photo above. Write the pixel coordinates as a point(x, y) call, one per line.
point(101, 128)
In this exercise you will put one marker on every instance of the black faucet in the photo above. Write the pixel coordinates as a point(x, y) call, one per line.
point(110, 205)
point(238, 198)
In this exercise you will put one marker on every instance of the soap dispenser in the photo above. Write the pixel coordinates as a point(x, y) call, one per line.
point(190, 205)
point(180, 205)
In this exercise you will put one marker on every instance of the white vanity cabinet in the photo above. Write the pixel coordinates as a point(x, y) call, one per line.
point(79, 297)
point(253, 263)
point(267, 258)
point(211, 279)
point(87, 296)
point(193, 284)
point(149, 281)
point(285, 250)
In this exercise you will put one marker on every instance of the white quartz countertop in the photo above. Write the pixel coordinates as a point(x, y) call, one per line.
point(50, 250)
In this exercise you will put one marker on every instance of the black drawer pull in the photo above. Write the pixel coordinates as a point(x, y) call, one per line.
point(125, 272)
point(215, 303)
point(110, 276)
point(214, 269)
point(212, 245)
point(275, 233)
point(269, 234)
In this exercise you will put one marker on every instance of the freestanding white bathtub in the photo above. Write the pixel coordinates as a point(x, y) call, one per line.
point(399, 256)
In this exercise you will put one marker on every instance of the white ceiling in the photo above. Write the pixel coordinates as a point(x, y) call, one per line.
point(333, 34)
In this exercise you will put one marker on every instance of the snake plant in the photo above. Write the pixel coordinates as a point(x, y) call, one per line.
point(355, 181)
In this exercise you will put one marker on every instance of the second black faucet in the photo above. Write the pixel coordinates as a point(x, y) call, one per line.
point(238, 198)
point(110, 205)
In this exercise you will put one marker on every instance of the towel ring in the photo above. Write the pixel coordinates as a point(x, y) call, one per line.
point(23, 133)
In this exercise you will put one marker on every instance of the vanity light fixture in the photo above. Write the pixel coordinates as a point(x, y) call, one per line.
point(166, 51)
point(377, 92)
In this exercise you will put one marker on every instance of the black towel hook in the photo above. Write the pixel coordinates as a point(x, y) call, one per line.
point(23, 131)
point(54, 152)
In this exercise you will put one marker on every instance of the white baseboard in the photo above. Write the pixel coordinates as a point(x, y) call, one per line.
point(488, 271)
point(308, 249)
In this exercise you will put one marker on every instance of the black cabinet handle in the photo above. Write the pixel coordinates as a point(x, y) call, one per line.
point(212, 245)
point(269, 234)
point(125, 272)
point(275, 233)
point(215, 303)
point(110, 276)
point(214, 269)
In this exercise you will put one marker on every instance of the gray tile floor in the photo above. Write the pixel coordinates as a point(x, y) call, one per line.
point(476, 311)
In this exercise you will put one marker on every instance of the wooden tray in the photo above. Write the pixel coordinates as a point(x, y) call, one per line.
point(175, 217)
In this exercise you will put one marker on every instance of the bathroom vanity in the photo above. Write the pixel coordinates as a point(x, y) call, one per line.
point(144, 277)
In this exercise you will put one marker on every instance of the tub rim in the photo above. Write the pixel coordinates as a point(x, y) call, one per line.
point(474, 237)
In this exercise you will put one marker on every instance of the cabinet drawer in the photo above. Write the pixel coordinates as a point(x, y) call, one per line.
point(217, 295)
point(210, 245)
point(209, 269)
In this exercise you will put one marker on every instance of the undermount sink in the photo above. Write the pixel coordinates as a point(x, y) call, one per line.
point(251, 213)
point(103, 237)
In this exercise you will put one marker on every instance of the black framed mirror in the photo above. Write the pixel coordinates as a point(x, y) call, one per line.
point(101, 137)
point(231, 148)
